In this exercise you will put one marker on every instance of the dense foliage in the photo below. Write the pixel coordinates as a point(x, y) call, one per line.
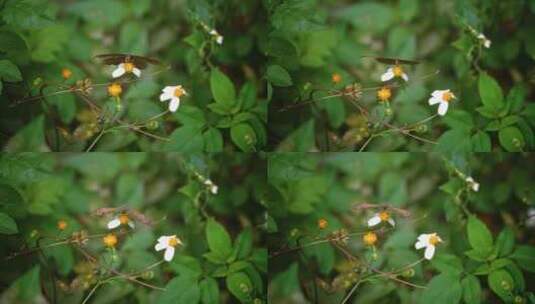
point(483, 51)
point(208, 47)
point(56, 246)
point(321, 250)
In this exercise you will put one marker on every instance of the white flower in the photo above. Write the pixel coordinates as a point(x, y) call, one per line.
point(383, 216)
point(167, 242)
point(217, 36)
point(530, 221)
point(472, 183)
point(443, 98)
point(127, 67)
point(396, 71)
point(483, 38)
point(213, 187)
point(173, 93)
point(429, 241)
point(122, 219)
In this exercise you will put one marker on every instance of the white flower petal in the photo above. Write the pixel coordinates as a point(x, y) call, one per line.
point(119, 71)
point(173, 105)
point(114, 223)
point(388, 75)
point(419, 245)
point(131, 224)
point(169, 253)
point(405, 77)
point(374, 220)
point(424, 238)
point(391, 222)
point(164, 239)
point(169, 90)
point(475, 187)
point(434, 100)
point(160, 246)
point(219, 40)
point(443, 108)
point(429, 252)
point(165, 96)
point(439, 93)
point(137, 72)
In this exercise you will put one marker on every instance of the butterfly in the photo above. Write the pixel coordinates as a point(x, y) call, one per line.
point(395, 61)
point(118, 58)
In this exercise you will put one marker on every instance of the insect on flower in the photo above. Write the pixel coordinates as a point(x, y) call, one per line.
point(396, 69)
point(173, 93)
point(122, 219)
point(383, 216)
point(429, 242)
point(127, 63)
point(167, 242)
point(443, 98)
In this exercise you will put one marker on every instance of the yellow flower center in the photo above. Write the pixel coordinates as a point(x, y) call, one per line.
point(384, 94)
point(115, 89)
point(129, 67)
point(179, 92)
point(447, 96)
point(173, 241)
point(110, 240)
point(62, 225)
point(434, 239)
point(336, 78)
point(397, 70)
point(123, 218)
point(322, 223)
point(384, 216)
point(66, 73)
point(369, 238)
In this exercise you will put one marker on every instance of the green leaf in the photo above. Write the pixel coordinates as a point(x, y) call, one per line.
point(511, 139)
point(516, 97)
point(501, 282)
point(240, 286)
point(505, 242)
point(218, 239)
point(9, 71)
point(455, 140)
point(247, 95)
point(182, 289)
point(479, 236)
point(209, 291)
point(213, 140)
point(186, 139)
point(490, 92)
point(185, 265)
point(105, 13)
point(524, 255)
point(28, 285)
point(7, 224)
point(222, 89)
point(374, 17)
point(130, 190)
point(278, 76)
point(25, 14)
point(11, 201)
point(30, 138)
point(471, 289)
point(437, 293)
point(244, 137)
point(243, 244)
point(500, 263)
point(481, 142)
point(448, 263)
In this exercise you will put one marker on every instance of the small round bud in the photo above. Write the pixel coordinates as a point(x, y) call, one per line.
point(519, 300)
point(369, 238)
point(389, 111)
point(37, 81)
point(110, 240)
point(115, 89)
point(408, 273)
point(322, 223)
point(148, 275)
point(66, 73)
point(152, 125)
point(62, 225)
point(505, 285)
point(336, 78)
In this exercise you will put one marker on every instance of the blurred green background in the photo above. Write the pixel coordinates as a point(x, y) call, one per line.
point(488, 261)
point(39, 38)
point(313, 40)
point(223, 259)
